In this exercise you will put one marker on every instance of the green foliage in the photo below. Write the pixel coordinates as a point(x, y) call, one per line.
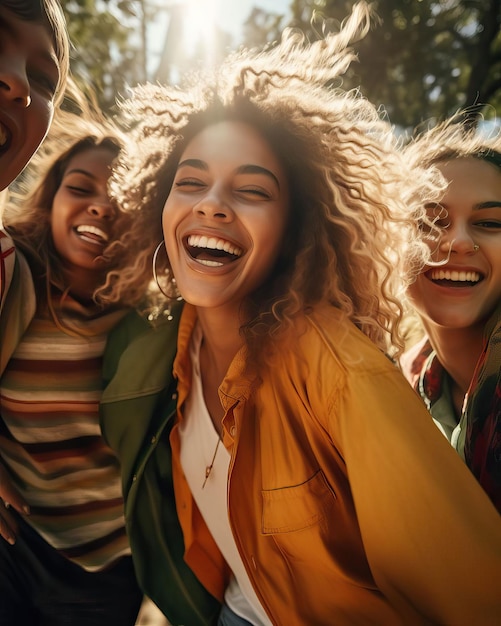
point(105, 45)
point(425, 59)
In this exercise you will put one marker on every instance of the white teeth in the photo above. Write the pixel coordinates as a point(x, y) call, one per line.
point(93, 230)
point(212, 243)
point(209, 263)
point(457, 276)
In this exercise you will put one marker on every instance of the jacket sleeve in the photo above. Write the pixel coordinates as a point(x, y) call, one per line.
point(136, 409)
point(432, 536)
point(137, 368)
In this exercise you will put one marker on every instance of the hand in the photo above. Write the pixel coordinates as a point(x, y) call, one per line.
point(10, 497)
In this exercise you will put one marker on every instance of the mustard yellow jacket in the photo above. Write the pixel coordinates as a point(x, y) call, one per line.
point(346, 503)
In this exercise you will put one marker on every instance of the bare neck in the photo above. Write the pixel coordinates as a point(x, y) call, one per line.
point(221, 341)
point(458, 351)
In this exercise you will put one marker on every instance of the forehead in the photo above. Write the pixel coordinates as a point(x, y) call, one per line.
point(233, 142)
point(472, 181)
point(95, 161)
point(468, 169)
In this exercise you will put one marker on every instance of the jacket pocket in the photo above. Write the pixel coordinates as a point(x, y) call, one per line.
point(290, 509)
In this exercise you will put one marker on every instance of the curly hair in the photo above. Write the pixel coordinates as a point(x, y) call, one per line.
point(450, 139)
point(453, 138)
point(26, 215)
point(50, 14)
point(354, 202)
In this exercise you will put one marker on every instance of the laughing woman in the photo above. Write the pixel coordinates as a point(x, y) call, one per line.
point(34, 58)
point(65, 558)
point(456, 366)
point(305, 472)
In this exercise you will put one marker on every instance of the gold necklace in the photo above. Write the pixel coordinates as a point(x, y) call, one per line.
point(208, 468)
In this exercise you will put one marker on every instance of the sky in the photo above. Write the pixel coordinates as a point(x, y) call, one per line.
point(232, 13)
point(229, 15)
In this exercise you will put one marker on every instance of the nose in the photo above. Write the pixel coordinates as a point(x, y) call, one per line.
point(457, 240)
point(14, 83)
point(213, 206)
point(102, 210)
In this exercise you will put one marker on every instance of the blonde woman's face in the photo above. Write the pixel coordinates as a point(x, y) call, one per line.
point(225, 217)
point(83, 217)
point(29, 74)
point(464, 290)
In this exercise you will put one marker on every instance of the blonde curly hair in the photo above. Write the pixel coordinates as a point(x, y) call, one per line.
point(355, 204)
point(447, 140)
point(453, 138)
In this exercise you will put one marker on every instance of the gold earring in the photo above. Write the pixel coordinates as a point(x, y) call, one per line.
point(476, 247)
point(155, 275)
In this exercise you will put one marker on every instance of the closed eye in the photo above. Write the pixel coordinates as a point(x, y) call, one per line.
point(43, 83)
point(255, 191)
point(189, 182)
point(78, 190)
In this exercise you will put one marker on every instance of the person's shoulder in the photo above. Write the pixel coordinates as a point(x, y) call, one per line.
point(413, 360)
point(329, 334)
point(137, 324)
point(492, 330)
point(141, 343)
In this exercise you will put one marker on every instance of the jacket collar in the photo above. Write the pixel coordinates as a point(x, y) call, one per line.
point(238, 383)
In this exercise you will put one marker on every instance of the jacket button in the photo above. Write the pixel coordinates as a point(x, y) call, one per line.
point(153, 439)
point(174, 396)
point(134, 478)
point(233, 431)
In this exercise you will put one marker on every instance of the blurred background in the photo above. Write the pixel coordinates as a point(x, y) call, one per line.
point(425, 60)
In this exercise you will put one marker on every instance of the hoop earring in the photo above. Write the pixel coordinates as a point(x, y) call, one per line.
point(155, 275)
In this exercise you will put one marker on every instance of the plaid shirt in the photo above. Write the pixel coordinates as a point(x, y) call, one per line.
point(428, 377)
point(478, 436)
point(482, 416)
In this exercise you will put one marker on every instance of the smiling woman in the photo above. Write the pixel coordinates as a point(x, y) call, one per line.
point(68, 246)
point(281, 440)
point(34, 60)
point(456, 366)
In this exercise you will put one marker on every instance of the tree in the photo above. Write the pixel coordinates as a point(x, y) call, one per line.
point(106, 45)
point(425, 59)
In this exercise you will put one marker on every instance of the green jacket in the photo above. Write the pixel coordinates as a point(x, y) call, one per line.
point(137, 413)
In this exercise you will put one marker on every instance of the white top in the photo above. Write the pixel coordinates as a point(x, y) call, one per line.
point(199, 440)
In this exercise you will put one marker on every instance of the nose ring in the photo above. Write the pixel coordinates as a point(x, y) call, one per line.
point(476, 247)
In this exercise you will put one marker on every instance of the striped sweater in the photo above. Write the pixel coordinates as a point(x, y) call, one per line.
point(50, 439)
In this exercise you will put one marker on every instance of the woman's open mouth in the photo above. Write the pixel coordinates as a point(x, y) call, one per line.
point(454, 278)
point(92, 234)
point(212, 251)
point(5, 138)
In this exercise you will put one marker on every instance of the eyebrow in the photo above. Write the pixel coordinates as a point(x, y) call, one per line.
point(489, 204)
point(77, 170)
point(243, 169)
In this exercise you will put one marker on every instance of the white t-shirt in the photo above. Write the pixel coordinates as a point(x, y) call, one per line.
point(201, 447)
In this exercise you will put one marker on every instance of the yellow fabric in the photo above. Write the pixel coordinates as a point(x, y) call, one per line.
point(347, 505)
